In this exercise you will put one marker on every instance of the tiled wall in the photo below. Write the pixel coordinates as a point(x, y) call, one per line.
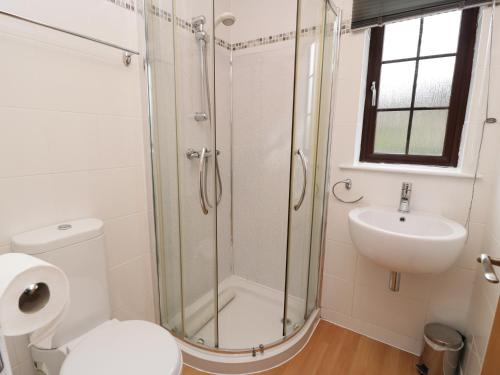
point(355, 292)
point(71, 140)
point(263, 74)
point(485, 296)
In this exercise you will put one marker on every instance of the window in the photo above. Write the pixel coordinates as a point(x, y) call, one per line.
point(417, 88)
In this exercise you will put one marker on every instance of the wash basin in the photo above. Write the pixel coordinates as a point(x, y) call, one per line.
point(412, 242)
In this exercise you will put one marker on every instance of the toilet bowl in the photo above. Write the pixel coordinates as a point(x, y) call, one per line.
point(88, 340)
point(126, 348)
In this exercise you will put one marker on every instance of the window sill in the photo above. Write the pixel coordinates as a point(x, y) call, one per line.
point(409, 169)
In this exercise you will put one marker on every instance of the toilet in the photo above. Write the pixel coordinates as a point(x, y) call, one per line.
point(88, 340)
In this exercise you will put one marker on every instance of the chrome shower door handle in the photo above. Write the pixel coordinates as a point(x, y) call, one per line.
point(488, 263)
point(219, 179)
point(205, 180)
point(202, 176)
point(304, 173)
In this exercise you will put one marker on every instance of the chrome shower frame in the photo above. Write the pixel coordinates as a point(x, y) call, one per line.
point(202, 38)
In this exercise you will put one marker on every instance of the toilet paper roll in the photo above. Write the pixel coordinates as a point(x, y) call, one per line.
point(32, 293)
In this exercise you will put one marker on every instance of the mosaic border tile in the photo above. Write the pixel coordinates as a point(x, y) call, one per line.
point(126, 4)
point(186, 25)
point(271, 39)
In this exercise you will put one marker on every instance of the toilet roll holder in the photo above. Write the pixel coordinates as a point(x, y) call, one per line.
point(34, 298)
point(5, 368)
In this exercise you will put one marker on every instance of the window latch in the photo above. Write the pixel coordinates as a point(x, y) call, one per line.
point(374, 94)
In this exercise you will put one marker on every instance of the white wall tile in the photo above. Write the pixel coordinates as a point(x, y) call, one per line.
point(386, 309)
point(126, 238)
point(414, 287)
point(340, 259)
point(73, 196)
point(453, 288)
point(27, 203)
point(337, 294)
point(117, 191)
point(131, 291)
point(71, 142)
point(24, 141)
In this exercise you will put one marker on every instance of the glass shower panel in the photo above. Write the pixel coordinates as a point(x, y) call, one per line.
point(164, 160)
point(308, 74)
point(321, 194)
point(194, 67)
point(254, 109)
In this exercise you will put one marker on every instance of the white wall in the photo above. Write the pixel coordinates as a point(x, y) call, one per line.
point(71, 140)
point(355, 293)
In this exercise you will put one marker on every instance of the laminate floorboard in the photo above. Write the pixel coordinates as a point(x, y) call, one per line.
point(333, 350)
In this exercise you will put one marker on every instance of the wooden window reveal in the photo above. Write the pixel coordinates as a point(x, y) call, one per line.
point(401, 119)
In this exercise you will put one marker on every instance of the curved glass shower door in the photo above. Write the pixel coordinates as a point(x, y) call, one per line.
point(318, 32)
point(239, 112)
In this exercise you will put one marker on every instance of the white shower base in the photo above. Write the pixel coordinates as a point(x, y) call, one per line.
point(252, 318)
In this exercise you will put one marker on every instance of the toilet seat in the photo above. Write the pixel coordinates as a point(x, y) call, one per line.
point(125, 348)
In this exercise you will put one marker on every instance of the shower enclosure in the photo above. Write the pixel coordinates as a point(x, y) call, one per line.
point(239, 96)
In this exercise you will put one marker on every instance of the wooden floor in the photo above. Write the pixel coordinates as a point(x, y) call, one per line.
point(335, 350)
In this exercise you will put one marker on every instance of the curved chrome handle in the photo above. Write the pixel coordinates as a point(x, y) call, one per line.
point(488, 263)
point(304, 185)
point(203, 179)
point(219, 181)
point(205, 182)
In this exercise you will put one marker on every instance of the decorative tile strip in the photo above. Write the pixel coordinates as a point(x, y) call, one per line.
point(222, 43)
point(126, 4)
point(161, 13)
point(271, 39)
point(186, 25)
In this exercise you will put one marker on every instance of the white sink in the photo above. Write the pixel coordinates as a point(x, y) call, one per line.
point(414, 242)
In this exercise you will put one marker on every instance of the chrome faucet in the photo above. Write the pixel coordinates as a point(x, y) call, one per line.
point(404, 203)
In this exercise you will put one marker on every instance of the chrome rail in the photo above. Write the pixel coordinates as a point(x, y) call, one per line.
point(489, 271)
point(127, 53)
point(304, 173)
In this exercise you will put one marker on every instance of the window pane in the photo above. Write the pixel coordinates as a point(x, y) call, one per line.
point(390, 133)
point(396, 84)
point(434, 82)
point(401, 40)
point(427, 132)
point(440, 34)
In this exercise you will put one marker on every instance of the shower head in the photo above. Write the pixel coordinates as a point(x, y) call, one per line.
point(226, 18)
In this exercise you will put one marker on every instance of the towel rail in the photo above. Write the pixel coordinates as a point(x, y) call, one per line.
point(127, 53)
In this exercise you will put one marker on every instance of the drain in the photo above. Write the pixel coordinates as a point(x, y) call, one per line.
point(200, 341)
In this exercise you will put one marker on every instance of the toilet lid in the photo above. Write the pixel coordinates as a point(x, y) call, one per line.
point(125, 348)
